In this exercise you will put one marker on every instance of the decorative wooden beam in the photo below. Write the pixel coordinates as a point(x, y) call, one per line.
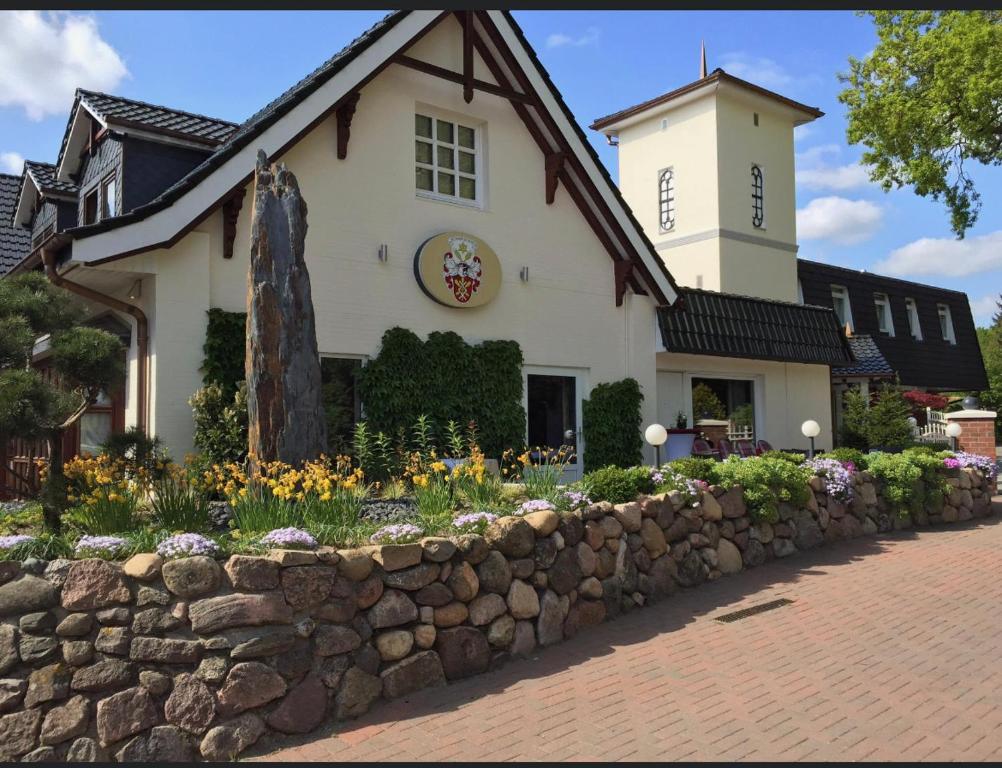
point(554, 165)
point(467, 56)
point(231, 212)
point(623, 271)
point(344, 114)
point(457, 77)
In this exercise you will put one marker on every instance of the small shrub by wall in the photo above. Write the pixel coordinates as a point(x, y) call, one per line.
point(198, 659)
point(612, 425)
point(225, 349)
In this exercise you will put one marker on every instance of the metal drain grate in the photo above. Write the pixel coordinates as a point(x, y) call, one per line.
point(744, 613)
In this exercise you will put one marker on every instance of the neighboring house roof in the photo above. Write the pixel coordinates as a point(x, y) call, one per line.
point(44, 177)
point(14, 242)
point(717, 76)
point(726, 325)
point(869, 361)
point(586, 170)
point(932, 363)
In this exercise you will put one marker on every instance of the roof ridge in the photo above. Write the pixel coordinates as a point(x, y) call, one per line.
point(825, 265)
point(138, 102)
point(760, 299)
point(10, 175)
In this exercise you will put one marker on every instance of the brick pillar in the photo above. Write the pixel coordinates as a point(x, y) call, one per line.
point(979, 431)
point(713, 429)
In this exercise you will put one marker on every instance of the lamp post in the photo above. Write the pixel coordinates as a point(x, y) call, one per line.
point(810, 429)
point(954, 431)
point(656, 435)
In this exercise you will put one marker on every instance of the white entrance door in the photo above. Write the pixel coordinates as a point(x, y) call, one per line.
point(553, 412)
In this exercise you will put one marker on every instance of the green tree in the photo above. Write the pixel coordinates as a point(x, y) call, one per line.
point(85, 361)
point(706, 404)
point(990, 340)
point(926, 100)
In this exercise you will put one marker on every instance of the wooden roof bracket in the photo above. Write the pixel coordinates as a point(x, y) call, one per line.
point(554, 165)
point(343, 114)
point(623, 271)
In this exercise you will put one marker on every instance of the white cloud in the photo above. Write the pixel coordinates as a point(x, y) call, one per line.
point(946, 256)
point(801, 132)
point(984, 309)
point(11, 162)
point(838, 219)
point(756, 69)
point(44, 57)
point(560, 39)
point(815, 171)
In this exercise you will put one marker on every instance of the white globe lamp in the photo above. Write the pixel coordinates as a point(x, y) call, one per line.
point(656, 435)
point(811, 429)
point(953, 431)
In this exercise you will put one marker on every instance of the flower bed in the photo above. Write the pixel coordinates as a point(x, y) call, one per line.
point(191, 654)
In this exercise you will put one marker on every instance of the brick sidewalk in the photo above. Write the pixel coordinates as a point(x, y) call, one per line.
point(890, 651)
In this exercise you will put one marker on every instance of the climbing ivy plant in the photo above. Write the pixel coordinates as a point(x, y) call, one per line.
point(612, 425)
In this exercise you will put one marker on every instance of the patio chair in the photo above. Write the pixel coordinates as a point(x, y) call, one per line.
point(701, 447)
point(762, 446)
point(725, 448)
point(745, 448)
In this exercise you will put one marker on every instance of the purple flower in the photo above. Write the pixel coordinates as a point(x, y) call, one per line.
point(534, 505)
point(474, 522)
point(850, 466)
point(576, 499)
point(289, 538)
point(186, 545)
point(657, 476)
point(99, 545)
point(402, 533)
point(951, 463)
point(974, 461)
point(9, 542)
point(838, 477)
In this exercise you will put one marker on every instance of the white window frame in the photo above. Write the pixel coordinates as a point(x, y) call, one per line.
point(761, 171)
point(841, 293)
point(946, 328)
point(673, 195)
point(885, 322)
point(478, 152)
point(914, 326)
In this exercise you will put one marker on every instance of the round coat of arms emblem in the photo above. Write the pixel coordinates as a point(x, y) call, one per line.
point(458, 270)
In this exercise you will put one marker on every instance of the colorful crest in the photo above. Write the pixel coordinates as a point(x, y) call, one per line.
point(461, 268)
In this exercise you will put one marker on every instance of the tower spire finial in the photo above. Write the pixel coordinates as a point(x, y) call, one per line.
point(702, 60)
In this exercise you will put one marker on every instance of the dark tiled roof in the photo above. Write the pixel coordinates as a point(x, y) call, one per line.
point(717, 75)
point(725, 325)
point(932, 363)
point(251, 128)
point(869, 360)
point(14, 243)
point(115, 109)
point(44, 176)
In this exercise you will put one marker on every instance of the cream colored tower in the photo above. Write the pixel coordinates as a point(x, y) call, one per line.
point(708, 171)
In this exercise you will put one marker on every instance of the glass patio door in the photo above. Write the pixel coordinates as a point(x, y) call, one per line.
point(553, 410)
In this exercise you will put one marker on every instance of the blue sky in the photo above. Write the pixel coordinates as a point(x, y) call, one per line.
point(229, 64)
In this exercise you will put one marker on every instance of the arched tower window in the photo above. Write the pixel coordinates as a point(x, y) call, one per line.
point(666, 198)
point(758, 196)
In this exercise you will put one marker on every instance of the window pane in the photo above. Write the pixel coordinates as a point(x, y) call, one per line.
point(108, 208)
point(424, 179)
point(445, 158)
point(466, 137)
point(446, 184)
point(467, 162)
point(422, 126)
point(467, 188)
point(444, 131)
point(95, 429)
point(422, 152)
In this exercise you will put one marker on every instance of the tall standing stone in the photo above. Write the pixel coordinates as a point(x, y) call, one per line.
point(285, 410)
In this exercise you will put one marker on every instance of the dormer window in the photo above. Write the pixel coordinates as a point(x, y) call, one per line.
point(666, 199)
point(840, 303)
point(108, 197)
point(758, 197)
point(914, 327)
point(90, 207)
point(946, 323)
point(885, 323)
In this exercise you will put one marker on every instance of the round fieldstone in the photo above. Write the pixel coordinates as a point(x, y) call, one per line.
point(690, 570)
point(252, 574)
point(451, 615)
point(543, 522)
point(66, 722)
point(249, 684)
point(307, 585)
point(501, 632)
point(224, 742)
point(464, 651)
point(394, 645)
point(157, 683)
point(590, 588)
point(571, 530)
point(463, 582)
point(191, 705)
point(26, 594)
point(424, 636)
point(412, 674)
point(754, 553)
point(565, 573)
point(333, 640)
point(368, 591)
point(92, 584)
point(494, 573)
point(75, 625)
point(191, 576)
point(522, 600)
point(392, 609)
point(473, 547)
point(144, 566)
point(510, 536)
point(545, 552)
point(437, 550)
point(125, 714)
point(485, 608)
point(412, 579)
point(728, 557)
point(355, 564)
point(436, 594)
point(303, 709)
point(104, 676)
point(357, 692)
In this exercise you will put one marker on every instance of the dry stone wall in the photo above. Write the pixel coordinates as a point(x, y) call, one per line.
point(198, 659)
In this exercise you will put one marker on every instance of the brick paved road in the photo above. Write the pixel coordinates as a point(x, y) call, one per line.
point(890, 652)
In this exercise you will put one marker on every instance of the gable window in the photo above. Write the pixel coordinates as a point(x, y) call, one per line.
point(90, 207)
point(447, 160)
point(885, 323)
point(840, 303)
point(666, 199)
point(758, 196)
point(914, 328)
point(946, 323)
point(108, 197)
